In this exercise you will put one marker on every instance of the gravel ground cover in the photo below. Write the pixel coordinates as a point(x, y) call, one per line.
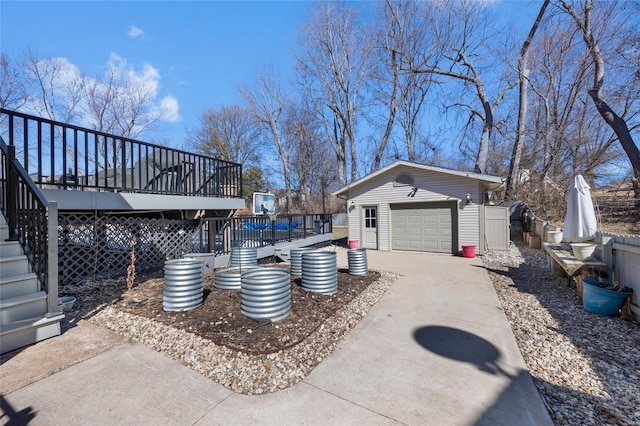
point(585, 366)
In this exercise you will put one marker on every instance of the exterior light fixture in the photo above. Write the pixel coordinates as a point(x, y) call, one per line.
point(469, 200)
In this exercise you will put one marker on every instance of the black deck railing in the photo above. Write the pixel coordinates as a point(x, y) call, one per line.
point(32, 221)
point(59, 155)
point(220, 235)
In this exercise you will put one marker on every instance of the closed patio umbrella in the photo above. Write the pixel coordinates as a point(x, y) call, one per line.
point(580, 224)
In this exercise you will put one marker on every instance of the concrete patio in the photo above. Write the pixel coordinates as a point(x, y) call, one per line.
point(436, 349)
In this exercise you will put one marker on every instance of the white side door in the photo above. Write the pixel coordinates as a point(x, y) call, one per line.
point(370, 227)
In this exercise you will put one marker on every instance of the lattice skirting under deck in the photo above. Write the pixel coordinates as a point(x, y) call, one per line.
point(92, 246)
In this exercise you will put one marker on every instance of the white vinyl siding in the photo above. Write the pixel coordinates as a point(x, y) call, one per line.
point(354, 222)
point(384, 216)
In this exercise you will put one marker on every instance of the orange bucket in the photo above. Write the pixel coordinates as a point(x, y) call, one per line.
point(353, 244)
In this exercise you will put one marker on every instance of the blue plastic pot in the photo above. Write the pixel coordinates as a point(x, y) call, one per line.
point(600, 300)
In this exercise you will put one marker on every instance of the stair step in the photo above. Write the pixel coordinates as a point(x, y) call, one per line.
point(24, 332)
point(4, 231)
point(24, 306)
point(10, 249)
point(14, 265)
point(18, 284)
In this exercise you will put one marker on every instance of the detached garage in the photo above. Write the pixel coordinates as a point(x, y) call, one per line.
point(414, 207)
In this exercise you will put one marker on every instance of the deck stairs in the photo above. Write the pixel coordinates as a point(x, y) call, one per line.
point(23, 304)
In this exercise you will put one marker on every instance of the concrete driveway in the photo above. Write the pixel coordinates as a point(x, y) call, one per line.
point(435, 350)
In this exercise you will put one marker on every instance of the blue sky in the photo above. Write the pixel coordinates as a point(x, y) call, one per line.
point(201, 51)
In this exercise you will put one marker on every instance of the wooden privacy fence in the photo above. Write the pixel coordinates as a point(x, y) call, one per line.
point(622, 254)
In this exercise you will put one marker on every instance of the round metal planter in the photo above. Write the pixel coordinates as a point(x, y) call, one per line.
point(266, 293)
point(296, 260)
point(182, 284)
point(243, 256)
point(230, 278)
point(357, 261)
point(320, 272)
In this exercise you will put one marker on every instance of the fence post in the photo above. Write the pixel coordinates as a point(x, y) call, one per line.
point(607, 253)
point(12, 193)
point(273, 231)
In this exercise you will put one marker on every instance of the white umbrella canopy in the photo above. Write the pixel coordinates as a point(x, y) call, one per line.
point(580, 224)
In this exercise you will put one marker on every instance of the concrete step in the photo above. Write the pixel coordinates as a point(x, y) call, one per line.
point(10, 249)
point(24, 306)
point(4, 230)
point(17, 285)
point(14, 265)
point(27, 331)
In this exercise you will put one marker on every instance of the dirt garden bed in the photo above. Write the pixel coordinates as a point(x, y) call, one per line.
point(219, 318)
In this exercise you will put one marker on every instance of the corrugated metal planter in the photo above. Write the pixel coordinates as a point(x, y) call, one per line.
point(182, 284)
point(358, 261)
point(243, 256)
point(266, 293)
point(230, 278)
point(320, 272)
point(296, 260)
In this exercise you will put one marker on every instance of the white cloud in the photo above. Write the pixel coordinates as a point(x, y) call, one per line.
point(169, 109)
point(135, 32)
point(148, 79)
point(66, 85)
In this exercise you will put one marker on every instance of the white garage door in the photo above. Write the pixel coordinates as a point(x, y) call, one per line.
point(423, 227)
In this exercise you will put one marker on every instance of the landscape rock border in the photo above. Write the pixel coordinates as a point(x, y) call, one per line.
point(250, 374)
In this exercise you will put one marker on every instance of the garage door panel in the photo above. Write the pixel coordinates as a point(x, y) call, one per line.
point(430, 232)
point(400, 233)
point(434, 232)
point(431, 246)
point(414, 245)
point(414, 220)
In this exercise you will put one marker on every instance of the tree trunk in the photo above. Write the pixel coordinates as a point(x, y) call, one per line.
point(286, 170)
point(393, 108)
point(617, 123)
point(483, 149)
point(523, 79)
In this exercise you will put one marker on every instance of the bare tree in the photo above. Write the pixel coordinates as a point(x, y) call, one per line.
point(12, 91)
point(228, 133)
point(268, 107)
point(459, 31)
point(332, 65)
point(523, 81)
point(57, 87)
point(399, 40)
point(118, 102)
point(583, 21)
point(311, 164)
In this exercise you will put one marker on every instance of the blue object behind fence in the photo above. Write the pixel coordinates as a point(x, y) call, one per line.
point(253, 226)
